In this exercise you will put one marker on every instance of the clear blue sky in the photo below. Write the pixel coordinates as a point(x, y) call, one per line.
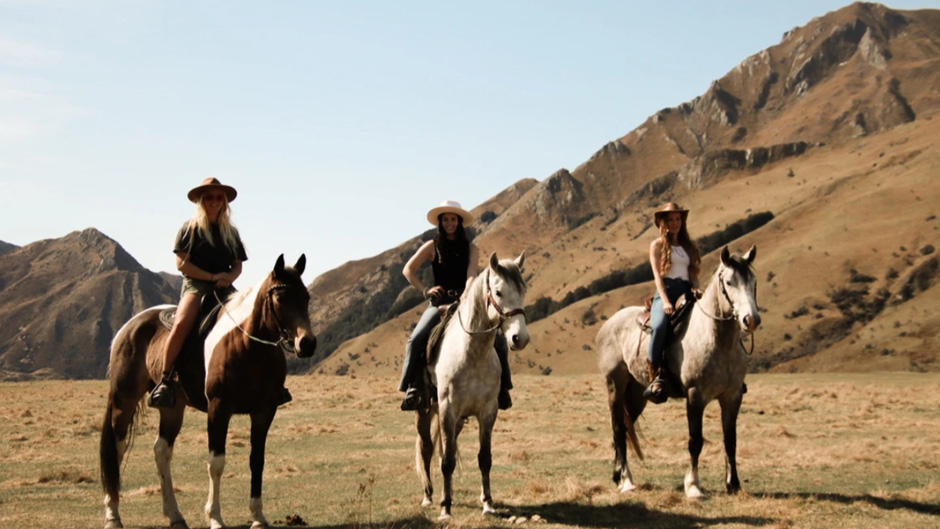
point(341, 123)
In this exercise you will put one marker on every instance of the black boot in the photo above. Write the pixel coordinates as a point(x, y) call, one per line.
point(162, 396)
point(284, 397)
point(415, 399)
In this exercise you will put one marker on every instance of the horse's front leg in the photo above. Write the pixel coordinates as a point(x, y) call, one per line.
point(485, 457)
point(729, 424)
point(219, 417)
point(695, 408)
point(448, 457)
point(260, 424)
point(171, 420)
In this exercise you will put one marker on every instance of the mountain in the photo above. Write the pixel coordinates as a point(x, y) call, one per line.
point(6, 247)
point(62, 301)
point(831, 132)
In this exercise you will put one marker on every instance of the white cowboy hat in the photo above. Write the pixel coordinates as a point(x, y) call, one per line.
point(450, 206)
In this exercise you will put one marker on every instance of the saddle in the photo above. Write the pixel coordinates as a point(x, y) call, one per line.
point(679, 323)
point(190, 364)
point(446, 312)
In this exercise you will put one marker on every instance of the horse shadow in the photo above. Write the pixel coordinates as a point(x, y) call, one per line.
point(885, 504)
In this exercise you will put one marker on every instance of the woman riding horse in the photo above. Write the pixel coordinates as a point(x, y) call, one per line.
point(675, 261)
point(454, 263)
point(209, 254)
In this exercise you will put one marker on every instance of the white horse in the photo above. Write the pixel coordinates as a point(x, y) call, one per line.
point(467, 374)
point(709, 360)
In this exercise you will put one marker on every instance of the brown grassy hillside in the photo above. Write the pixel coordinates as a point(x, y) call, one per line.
point(832, 131)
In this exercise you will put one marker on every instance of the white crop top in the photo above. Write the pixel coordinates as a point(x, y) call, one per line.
point(680, 264)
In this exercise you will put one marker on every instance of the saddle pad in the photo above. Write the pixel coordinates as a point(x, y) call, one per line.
point(434, 341)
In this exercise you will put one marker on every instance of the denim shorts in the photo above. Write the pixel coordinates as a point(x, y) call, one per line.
point(196, 286)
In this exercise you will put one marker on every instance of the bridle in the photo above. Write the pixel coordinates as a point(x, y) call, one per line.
point(284, 340)
point(734, 310)
point(491, 301)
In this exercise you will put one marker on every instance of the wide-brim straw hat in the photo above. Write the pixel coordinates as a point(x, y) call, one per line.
point(450, 206)
point(669, 207)
point(211, 183)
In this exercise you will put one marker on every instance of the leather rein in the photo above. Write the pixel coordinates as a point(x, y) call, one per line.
point(491, 301)
point(284, 340)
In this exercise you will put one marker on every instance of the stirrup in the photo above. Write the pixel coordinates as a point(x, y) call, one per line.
point(414, 400)
point(162, 396)
point(657, 392)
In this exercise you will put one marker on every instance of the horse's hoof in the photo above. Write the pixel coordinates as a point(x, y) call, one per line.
point(113, 524)
point(179, 524)
point(444, 517)
point(693, 492)
point(260, 525)
point(488, 509)
point(627, 486)
point(426, 502)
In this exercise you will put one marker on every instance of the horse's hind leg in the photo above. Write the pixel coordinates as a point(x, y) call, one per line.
point(485, 459)
point(115, 430)
point(171, 420)
point(695, 408)
point(729, 421)
point(623, 412)
point(424, 452)
point(448, 457)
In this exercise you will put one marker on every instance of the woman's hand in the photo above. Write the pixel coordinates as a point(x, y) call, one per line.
point(434, 292)
point(668, 308)
point(223, 280)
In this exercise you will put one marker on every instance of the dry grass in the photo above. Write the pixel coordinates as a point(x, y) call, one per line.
point(814, 451)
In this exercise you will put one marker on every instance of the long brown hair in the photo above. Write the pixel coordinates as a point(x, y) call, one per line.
point(439, 238)
point(687, 244)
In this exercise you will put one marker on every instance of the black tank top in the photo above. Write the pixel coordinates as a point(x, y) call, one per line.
point(450, 265)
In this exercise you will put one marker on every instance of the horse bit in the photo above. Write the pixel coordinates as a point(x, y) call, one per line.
point(284, 340)
point(503, 316)
point(734, 311)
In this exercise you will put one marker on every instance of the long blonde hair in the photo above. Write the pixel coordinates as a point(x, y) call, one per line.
point(665, 256)
point(199, 223)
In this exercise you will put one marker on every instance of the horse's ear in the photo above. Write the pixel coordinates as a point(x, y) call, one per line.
point(520, 260)
point(301, 264)
point(494, 261)
point(725, 256)
point(279, 265)
point(751, 254)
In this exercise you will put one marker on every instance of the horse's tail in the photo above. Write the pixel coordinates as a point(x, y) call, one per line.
point(633, 442)
point(108, 454)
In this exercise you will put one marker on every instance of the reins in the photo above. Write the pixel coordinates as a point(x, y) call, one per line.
point(503, 316)
point(733, 315)
point(283, 341)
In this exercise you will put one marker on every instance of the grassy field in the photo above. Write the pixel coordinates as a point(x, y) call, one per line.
point(814, 451)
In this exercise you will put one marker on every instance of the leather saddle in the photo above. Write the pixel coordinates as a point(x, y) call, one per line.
point(678, 320)
point(190, 364)
point(446, 312)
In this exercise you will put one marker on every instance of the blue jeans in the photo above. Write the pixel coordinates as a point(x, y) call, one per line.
point(659, 321)
point(415, 351)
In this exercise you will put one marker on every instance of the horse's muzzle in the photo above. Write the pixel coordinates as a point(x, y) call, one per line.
point(305, 346)
point(751, 323)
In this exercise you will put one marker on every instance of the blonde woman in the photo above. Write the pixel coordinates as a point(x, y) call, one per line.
point(675, 261)
point(209, 254)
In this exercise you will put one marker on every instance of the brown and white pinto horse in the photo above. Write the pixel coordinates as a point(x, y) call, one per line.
point(242, 371)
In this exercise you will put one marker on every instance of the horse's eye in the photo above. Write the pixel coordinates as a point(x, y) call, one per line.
point(499, 294)
point(279, 298)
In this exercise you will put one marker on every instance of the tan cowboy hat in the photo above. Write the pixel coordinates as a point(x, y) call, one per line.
point(211, 183)
point(450, 206)
point(669, 207)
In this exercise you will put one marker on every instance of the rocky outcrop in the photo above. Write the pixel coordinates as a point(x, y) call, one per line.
point(6, 247)
point(62, 300)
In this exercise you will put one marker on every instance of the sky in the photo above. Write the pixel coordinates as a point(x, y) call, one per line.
point(341, 123)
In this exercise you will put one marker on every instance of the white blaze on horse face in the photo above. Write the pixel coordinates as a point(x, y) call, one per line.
point(743, 294)
point(511, 297)
point(237, 310)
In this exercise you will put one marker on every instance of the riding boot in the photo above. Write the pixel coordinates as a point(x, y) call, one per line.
point(163, 396)
point(504, 401)
point(656, 392)
point(284, 397)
